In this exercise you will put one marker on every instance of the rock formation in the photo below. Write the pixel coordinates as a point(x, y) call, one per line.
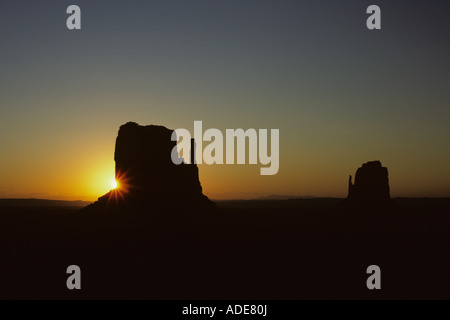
point(371, 183)
point(148, 180)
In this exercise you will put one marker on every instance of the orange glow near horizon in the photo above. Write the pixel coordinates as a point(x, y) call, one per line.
point(90, 175)
point(86, 172)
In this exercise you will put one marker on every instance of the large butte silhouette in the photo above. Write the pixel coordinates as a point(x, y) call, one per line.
point(148, 180)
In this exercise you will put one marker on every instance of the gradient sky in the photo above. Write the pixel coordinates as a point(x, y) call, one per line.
point(340, 94)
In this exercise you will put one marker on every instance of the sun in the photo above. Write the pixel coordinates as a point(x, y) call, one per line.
point(113, 184)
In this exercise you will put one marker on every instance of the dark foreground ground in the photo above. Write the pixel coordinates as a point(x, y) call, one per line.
point(267, 249)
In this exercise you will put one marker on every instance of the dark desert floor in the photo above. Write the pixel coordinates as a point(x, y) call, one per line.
point(262, 249)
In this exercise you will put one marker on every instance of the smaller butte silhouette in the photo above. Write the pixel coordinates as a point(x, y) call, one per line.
point(148, 180)
point(370, 191)
point(371, 183)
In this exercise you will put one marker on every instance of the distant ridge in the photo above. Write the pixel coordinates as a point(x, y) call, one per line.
point(283, 197)
point(15, 202)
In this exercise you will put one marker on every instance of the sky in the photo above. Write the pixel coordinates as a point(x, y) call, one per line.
point(340, 94)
